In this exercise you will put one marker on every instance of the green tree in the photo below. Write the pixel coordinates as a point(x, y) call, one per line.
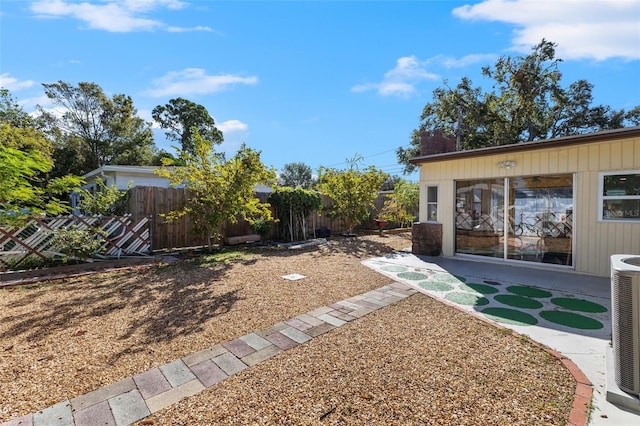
point(296, 175)
point(528, 103)
point(292, 206)
point(96, 130)
point(105, 201)
point(221, 190)
point(402, 207)
point(181, 118)
point(23, 194)
point(25, 139)
point(78, 244)
point(390, 182)
point(12, 113)
point(163, 156)
point(19, 130)
point(27, 189)
point(633, 116)
point(353, 191)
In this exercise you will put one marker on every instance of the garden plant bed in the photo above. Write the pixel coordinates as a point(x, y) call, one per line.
point(413, 362)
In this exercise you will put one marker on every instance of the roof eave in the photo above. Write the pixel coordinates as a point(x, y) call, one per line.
point(528, 146)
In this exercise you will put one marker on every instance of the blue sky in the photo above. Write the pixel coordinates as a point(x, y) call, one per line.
point(317, 82)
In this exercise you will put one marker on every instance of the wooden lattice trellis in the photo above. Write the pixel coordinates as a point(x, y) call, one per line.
point(33, 241)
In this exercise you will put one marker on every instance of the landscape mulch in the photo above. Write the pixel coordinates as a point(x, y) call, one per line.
point(415, 362)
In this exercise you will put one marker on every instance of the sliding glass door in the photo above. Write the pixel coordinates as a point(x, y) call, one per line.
point(479, 218)
point(537, 226)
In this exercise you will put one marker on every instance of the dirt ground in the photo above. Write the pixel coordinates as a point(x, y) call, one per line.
point(415, 362)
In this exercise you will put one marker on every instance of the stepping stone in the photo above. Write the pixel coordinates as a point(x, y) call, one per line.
point(128, 408)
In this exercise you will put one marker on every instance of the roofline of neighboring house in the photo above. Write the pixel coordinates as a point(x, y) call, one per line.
point(116, 168)
point(624, 132)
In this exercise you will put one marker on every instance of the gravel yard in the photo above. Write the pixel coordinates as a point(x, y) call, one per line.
point(415, 362)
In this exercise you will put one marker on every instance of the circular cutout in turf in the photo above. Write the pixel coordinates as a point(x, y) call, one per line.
point(479, 288)
point(522, 290)
point(449, 278)
point(467, 299)
point(509, 316)
point(414, 276)
point(572, 320)
point(518, 301)
point(435, 286)
point(578, 305)
point(394, 268)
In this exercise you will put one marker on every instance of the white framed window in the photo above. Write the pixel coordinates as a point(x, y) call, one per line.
point(432, 203)
point(619, 196)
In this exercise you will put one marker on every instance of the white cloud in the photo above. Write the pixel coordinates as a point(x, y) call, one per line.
point(185, 30)
point(465, 61)
point(12, 84)
point(113, 15)
point(595, 29)
point(232, 126)
point(30, 104)
point(401, 80)
point(145, 114)
point(192, 81)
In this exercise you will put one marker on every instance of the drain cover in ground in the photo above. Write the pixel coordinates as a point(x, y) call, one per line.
point(467, 299)
point(394, 268)
point(578, 305)
point(449, 278)
point(527, 291)
point(509, 316)
point(479, 288)
point(435, 286)
point(413, 276)
point(572, 320)
point(293, 277)
point(518, 301)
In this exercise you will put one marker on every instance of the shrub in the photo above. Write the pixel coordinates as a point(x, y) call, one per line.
point(79, 244)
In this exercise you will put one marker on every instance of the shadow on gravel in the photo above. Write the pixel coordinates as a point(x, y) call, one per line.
point(161, 302)
point(171, 301)
point(358, 247)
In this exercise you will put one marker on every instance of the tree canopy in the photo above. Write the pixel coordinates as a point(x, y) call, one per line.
point(95, 130)
point(527, 103)
point(296, 175)
point(181, 118)
point(221, 190)
point(402, 206)
point(105, 200)
point(292, 206)
point(352, 191)
point(23, 193)
point(12, 113)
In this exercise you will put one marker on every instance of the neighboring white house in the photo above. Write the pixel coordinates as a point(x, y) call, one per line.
point(122, 176)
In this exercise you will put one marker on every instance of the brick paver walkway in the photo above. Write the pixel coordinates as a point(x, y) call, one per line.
point(135, 398)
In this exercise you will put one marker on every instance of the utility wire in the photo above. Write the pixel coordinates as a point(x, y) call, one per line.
point(370, 156)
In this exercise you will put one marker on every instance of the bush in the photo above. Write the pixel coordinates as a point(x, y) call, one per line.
point(79, 244)
point(262, 227)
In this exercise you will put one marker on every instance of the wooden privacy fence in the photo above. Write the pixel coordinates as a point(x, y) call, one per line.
point(155, 201)
point(34, 241)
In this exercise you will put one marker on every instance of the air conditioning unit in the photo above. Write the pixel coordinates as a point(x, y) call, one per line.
point(625, 321)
